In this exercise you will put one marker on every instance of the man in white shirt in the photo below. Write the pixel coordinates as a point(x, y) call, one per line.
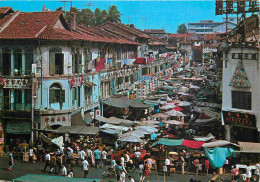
point(122, 176)
point(85, 166)
point(90, 153)
point(62, 150)
point(122, 160)
point(168, 165)
point(82, 155)
point(137, 158)
point(48, 161)
point(31, 155)
point(70, 149)
point(64, 171)
point(150, 162)
point(104, 157)
point(257, 172)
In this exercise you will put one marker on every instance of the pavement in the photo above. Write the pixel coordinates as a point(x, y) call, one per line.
point(21, 168)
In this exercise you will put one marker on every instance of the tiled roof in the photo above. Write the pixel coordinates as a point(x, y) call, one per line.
point(123, 30)
point(28, 25)
point(180, 35)
point(41, 25)
point(209, 36)
point(185, 42)
point(4, 10)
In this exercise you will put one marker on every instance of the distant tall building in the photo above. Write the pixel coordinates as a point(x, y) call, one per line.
point(159, 33)
point(209, 26)
point(44, 8)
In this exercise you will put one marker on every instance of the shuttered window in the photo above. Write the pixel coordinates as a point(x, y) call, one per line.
point(52, 63)
point(56, 61)
point(56, 94)
point(28, 63)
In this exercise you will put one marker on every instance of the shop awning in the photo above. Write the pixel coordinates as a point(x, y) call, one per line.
point(121, 102)
point(81, 130)
point(77, 120)
point(111, 131)
point(87, 118)
point(192, 144)
point(218, 143)
point(139, 105)
point(204, 139)
point(168, 142)
point(89, 84)
point(249, 147)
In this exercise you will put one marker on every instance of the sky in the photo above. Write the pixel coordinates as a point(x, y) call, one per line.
point(145, 14)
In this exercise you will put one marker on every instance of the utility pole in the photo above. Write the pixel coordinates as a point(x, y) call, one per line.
point(89, 5)
point(64, 4)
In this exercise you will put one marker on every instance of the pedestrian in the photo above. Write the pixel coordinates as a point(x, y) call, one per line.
point(131, 179)
point(104, 157)
point(197, 163)
point(11, 161)
point(207, 166)
point(70, 171)
point(47, 161)
point(31, 159)
point(182, 161)
point(118, 172)
point(122, 160)
point(64, 171)
point(140, 171)
point(39, 151)
point(257, 172)
point(85, 168)
point(150, 162)
point(137, 157)
point(244, 176)
point(59, 161)
point(234, 173)
point(226, 165)
point(248, 173)
point(97, 156)
point(89, 155)
point(53, 164)
point(168, 165)
point(147, 172)
point(122, 176)
point(82, 155)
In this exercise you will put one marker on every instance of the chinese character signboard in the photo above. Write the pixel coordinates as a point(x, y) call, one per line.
point(239, 118)
point(63, 120)
point(15, 83)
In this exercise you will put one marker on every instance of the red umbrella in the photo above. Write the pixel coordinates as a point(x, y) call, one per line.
point(177, 108)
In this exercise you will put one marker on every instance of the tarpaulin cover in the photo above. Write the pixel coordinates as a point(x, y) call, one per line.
point(44, 178)
point(100, 65)
point(249, 147)
point(168, 142)
point(192, 144)
point(218, 155)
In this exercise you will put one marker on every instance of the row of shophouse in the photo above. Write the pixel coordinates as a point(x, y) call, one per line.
point(55, 73)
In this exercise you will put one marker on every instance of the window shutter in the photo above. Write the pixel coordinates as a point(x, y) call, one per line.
point(73, 63)
point(62, 96)
point(80, 63)
point(52, 96)
point(1, 99)
point(28, 63)
point(52, 63)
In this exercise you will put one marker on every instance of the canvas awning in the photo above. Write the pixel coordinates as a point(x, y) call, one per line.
point(81, 130)
point(249, 147)
point(204, 139)
point(206, 121)
point(121, 102)
point(87, 118)
point(89, 84)
point(218, 143)
point(192, 144)
point(77, 120)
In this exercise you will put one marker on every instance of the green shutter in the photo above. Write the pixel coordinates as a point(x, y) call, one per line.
point(62, 96)
point(52, 63)
point(28, 63)
point(80, 63)
point(73, 63)
point(1, 98)
point(52, 96)
point(1, 65)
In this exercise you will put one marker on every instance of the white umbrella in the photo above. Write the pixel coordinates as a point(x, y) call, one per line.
point(184, 103)
point(174, 122)
point(147, 128)
point(165, 107)
point(175, 113)
point(141, 132)
point(131, 139)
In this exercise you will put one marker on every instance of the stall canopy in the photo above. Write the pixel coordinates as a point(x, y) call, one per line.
point(89, 84)
point(82, 130)
point(114, 127)
point(218, 143)
point(204, 139)
point(218, 155)
point(249, 147)
point(206, 121)
point(124, 102)
point(181, 142)
point(168, 142)
point(192, 144)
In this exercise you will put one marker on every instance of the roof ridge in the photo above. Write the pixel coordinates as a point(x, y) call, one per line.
point(8, 22)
